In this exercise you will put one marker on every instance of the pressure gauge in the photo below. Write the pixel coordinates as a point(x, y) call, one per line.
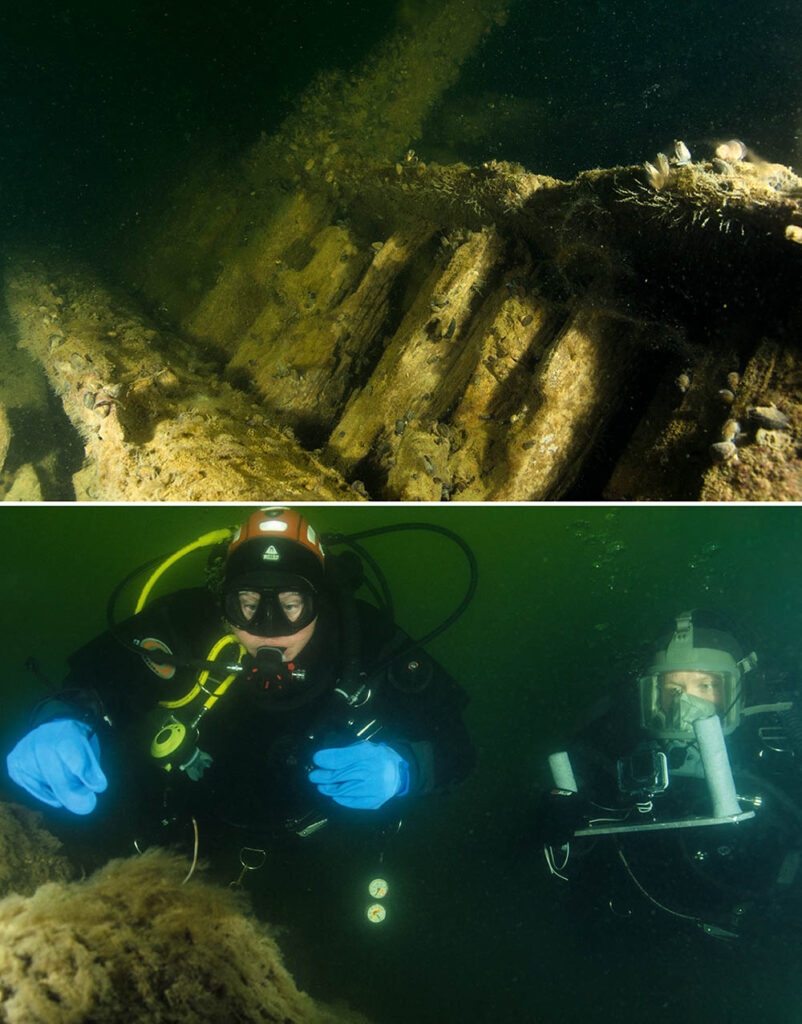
point(378, 888)
point(376, 913)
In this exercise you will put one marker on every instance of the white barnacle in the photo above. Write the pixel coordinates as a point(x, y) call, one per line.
point(682, 155)
point(652, 174)
point(768, 416)
point(724, 451)
point(731, 430)
point(732, 151)
point(656, 176)
point(793, 233)
point(663, 166)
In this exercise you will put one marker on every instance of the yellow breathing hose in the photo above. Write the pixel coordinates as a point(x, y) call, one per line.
point(207, 540)
point(204, 675)
point(215, 537)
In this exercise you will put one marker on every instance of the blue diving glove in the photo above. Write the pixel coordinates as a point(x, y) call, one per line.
point(58, 764)
point(363, 775)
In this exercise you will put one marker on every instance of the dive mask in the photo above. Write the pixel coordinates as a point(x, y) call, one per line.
point(270, 611)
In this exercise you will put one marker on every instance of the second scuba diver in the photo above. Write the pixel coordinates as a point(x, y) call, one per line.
point(683, 801)
point(272, 702)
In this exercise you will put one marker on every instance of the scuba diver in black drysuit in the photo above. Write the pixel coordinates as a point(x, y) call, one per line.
point(683, 801)
point(270, 704)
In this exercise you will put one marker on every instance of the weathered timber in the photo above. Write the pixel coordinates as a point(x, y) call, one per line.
point(156, 423)
point(307, 371)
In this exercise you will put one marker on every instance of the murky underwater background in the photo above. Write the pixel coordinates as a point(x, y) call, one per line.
point(568, 598)
point(105, 104)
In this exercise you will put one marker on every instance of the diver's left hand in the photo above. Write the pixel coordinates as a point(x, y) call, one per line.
point(364, 775)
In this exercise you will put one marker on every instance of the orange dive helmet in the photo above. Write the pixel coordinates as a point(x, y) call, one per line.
point(274, 572)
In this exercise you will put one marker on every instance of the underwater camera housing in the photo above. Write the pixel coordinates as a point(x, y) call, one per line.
point(643, 774)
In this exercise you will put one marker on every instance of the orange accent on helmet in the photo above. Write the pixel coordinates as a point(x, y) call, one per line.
point(278, 524)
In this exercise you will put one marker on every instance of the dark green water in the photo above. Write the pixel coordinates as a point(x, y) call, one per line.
point(104, 102)
point(599, 83)
point(567, 598)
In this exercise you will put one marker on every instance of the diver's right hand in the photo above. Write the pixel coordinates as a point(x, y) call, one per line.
point(57, 762)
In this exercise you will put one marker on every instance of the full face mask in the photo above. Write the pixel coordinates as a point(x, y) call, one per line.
point(693, 648)
point(684, 709)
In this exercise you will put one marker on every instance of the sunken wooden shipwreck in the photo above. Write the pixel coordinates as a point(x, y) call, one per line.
point(332, 318)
